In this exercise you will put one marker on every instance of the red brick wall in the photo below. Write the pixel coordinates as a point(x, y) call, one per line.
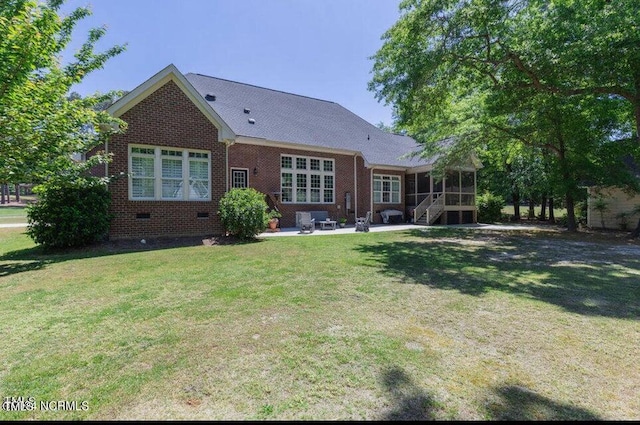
point(165, 118)
point(267, 162)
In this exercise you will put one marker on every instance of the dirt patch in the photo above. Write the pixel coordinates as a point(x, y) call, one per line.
point(150, 244)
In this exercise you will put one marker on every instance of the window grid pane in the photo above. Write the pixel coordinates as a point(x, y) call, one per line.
point(198, 170)
point(328, 182)
point(286, 162)
point(142, 188)
point(172, 168)
point(172, 189)
point(142, 166)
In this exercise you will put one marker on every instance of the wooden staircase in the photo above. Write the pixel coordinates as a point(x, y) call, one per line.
point(429, 210)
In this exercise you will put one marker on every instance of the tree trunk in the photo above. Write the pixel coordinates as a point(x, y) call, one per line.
point(543, 208)
point(532, 213)
point(636, 232)
point(17, 192)
point(515, 196)
point(571, 214)
point(4, 193)
point(552, 215)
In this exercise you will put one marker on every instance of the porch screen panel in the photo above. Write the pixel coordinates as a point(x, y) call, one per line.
point(467, 188)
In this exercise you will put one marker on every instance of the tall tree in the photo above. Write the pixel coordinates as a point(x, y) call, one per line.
point(40, 126)
point(514, 72)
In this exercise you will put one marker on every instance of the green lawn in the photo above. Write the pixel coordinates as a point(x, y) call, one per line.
point(524, 211)
point(435, 324)
point(13, 214)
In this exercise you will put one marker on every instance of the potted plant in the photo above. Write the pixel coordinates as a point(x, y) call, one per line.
point(274, 219)
point(342, 221)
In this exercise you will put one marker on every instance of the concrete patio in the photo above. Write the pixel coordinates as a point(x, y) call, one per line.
point(294, 231)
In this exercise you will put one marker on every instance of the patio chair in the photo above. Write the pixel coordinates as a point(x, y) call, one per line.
point(306, 222)
point(362, 223)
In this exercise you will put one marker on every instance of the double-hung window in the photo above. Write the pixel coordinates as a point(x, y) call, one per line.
point(306, 180)
point(161, 173)
point(386, 189)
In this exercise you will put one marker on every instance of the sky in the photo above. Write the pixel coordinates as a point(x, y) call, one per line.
point(315, 48)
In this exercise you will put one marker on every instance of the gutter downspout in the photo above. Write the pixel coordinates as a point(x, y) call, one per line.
point(355, 184)
point(106, 164)
point(371, 192)
point(226, 166)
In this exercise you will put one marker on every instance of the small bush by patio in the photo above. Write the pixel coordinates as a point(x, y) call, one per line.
point(489, 207)
point(69, 214)
point(243, 212)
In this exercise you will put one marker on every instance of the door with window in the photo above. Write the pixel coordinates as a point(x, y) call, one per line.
point(239, 178)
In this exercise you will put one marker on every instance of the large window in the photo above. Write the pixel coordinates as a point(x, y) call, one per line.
point(160, 173)
point(386, 189)
point(305, 180)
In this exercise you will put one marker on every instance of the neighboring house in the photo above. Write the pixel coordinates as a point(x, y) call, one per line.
point(620, 205)
point(191, 138)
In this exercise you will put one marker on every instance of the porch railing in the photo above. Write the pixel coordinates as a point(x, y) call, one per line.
point(429, 209)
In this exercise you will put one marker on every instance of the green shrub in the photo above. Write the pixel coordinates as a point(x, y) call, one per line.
point(244, 212)
point(69, 214)
point(489, 207)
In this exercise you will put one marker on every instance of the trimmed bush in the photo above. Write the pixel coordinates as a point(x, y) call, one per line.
point(244, 212)
point(69, 214)
point(489, 207)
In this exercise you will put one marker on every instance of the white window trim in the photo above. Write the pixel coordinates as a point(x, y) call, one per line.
point(157, 174)
point(308, 171)
point(246, 171)
point(392, 178)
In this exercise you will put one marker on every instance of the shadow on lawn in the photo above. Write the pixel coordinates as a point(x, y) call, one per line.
point(510, 403)
point(591, 281)
point(36, 258)
point(409, 402)
point(521, 404)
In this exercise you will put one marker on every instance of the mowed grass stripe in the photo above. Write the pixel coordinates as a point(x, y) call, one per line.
point(435, 324)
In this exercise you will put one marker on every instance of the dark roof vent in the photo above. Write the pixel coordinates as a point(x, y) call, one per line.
point(252, 121)
point(247, 110)
point(210, 96)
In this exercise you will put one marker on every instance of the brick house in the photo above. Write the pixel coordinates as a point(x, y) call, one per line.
point(190, 138)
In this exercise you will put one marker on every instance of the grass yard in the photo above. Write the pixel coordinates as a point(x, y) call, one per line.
point(448, 324)
point(13, 214)
point(524, 211)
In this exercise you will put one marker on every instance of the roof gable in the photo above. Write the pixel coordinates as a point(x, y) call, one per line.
point(171, 73)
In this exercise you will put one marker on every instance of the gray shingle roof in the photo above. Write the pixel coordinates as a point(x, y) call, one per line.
point(291, 118)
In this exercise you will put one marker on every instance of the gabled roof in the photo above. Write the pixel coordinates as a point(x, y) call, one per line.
point(171, 73)
point(277, 116)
